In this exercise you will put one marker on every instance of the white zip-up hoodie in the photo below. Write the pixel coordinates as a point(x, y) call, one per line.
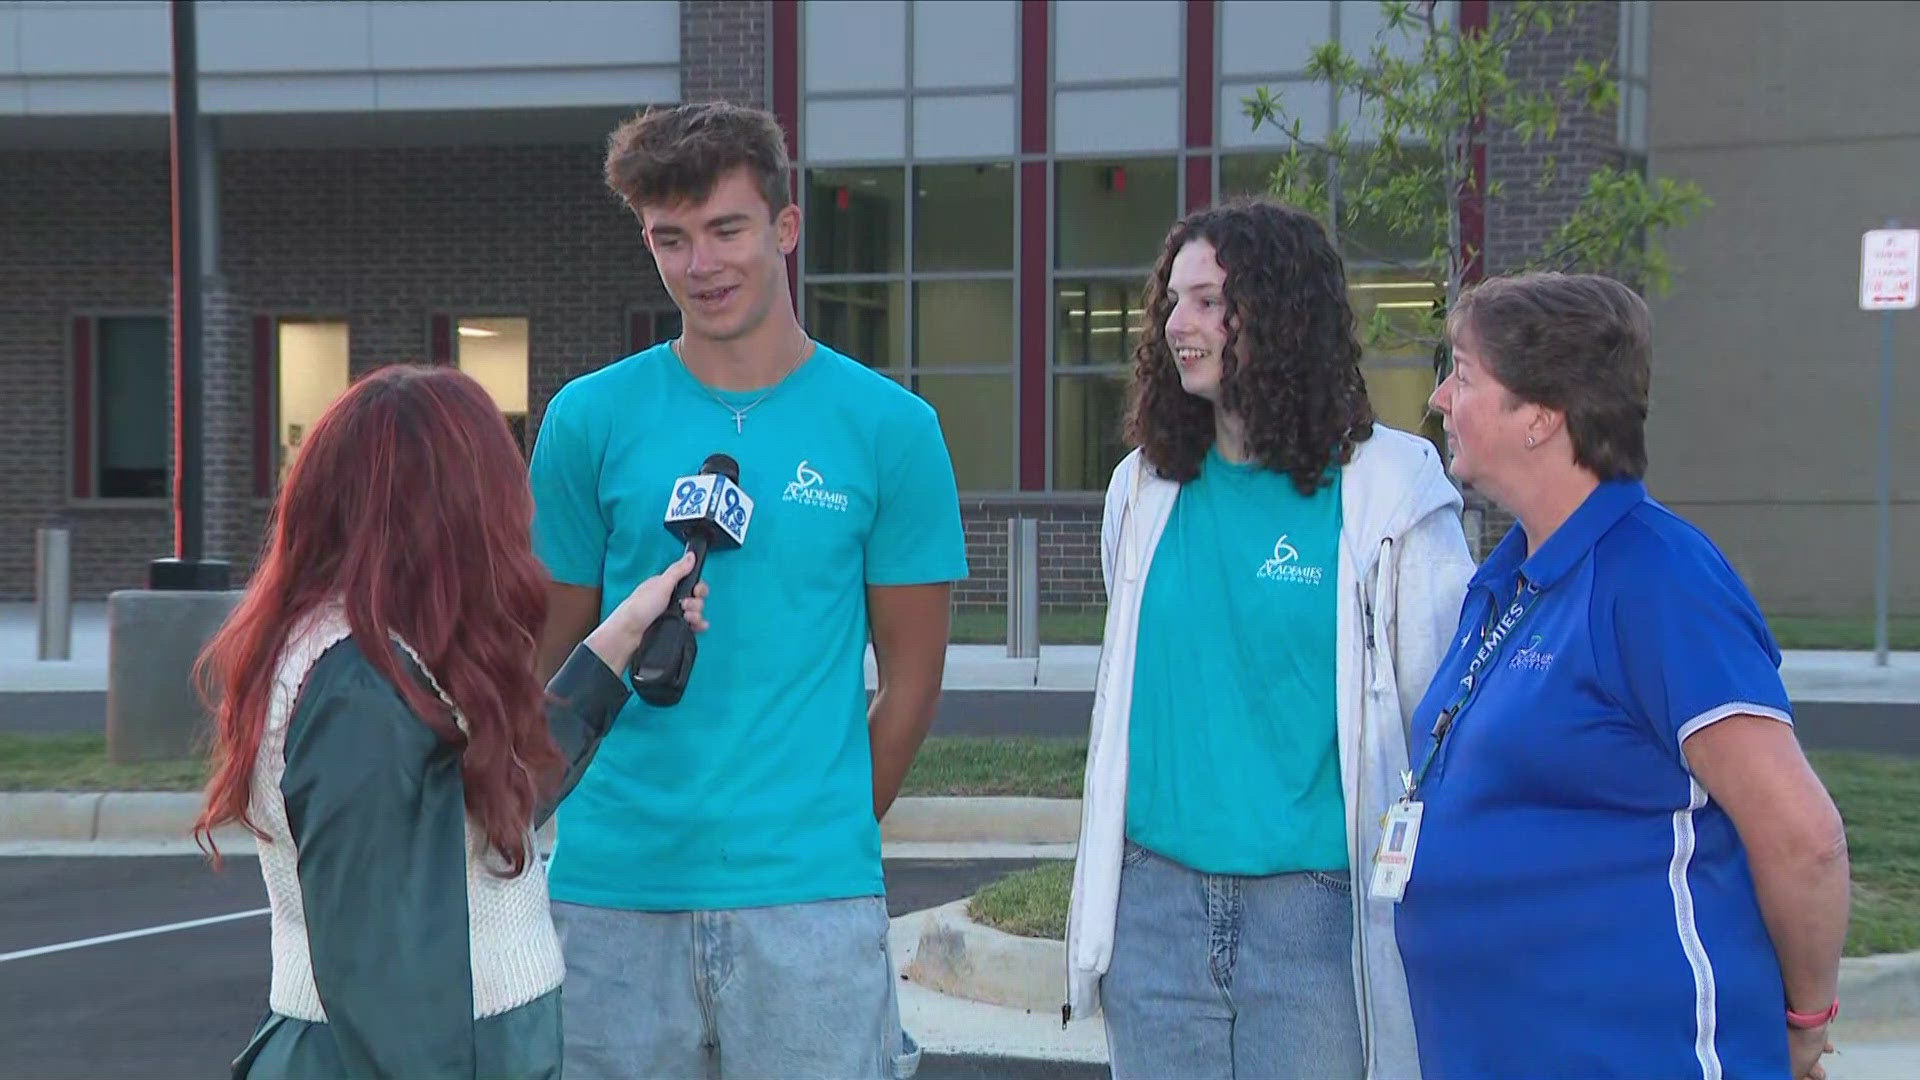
point(1403, 571)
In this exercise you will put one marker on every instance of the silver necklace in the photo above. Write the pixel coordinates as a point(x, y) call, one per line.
point(739, 414)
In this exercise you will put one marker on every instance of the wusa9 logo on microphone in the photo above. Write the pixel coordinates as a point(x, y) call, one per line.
point(714, 498)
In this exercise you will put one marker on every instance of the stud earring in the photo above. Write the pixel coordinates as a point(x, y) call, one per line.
point(1529, 442)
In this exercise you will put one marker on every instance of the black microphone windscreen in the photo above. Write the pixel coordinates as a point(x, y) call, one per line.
point(723, 465)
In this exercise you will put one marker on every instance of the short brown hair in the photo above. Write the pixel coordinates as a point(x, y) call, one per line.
point(664, 156)
point(1579, 343)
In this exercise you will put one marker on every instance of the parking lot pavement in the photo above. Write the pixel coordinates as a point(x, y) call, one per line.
point(180, 1003)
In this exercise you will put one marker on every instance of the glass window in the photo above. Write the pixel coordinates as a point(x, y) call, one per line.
point(1096, 321)
point(863, 320)
point(1399, 393)
point(494, 352)
point(1114, 213)
point(131, 407)
point(313, 371)
point(1399, 369)
point(1367, 234)
point(856, 221)
point(1246, 174)
point(1087, 416)
point(976, 415)
point(963, 217)
point(647, 327)
point(966, 323)
point(1411, 302)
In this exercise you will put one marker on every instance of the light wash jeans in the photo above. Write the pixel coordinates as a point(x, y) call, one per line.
point(798, 990)
point(1238, 978)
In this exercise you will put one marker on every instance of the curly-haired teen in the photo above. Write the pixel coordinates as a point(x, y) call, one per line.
point(1282, 573)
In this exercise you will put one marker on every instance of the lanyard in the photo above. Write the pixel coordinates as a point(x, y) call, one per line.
point(1492, 636)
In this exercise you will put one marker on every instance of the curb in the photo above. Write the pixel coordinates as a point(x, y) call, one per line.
point(117, 817)
point(977, 819)
point(1877, 988)
point(963, 958)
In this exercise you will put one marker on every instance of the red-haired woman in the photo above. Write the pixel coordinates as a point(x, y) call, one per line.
point(382, 732)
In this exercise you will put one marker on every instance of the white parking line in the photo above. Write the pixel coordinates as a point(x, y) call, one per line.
point(109, 938)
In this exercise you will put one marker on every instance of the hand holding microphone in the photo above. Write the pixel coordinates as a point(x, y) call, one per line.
point(616, 638)
point(705, 511)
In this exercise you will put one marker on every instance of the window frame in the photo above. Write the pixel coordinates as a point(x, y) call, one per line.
point(457, 314)
point(83, 416)
point(908, 370)
point(268, 462)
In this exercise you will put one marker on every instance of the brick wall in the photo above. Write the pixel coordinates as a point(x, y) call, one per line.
point(1069, 552)
point(1520, 223)
point(730, 36)
point(383, 238)
point(79, 233)
point(1523, 220)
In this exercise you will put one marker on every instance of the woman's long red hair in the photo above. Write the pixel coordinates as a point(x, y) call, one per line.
point(409, 503)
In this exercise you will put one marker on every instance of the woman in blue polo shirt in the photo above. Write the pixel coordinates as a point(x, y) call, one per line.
point(1621, 864)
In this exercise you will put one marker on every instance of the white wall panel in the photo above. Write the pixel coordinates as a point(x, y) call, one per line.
point(115, 57)
point(94, 39)
point(1260, 36)
point(269, 38)
point(960, 43)
point(561, 33)
point(1113, 121)
point(861, 130)
point(102, 95)
point(1363, 27)
point(967, 126)
point(854, 44)
point(233, 94)
point(9, 40)
point(1095, 40)
point(1309, 101)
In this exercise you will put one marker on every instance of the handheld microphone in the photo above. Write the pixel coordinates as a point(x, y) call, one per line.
point(707, 511)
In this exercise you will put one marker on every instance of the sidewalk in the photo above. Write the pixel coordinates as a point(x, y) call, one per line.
point(1810, 675)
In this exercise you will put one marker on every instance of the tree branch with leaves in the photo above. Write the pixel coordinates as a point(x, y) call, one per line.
point(1431, 92)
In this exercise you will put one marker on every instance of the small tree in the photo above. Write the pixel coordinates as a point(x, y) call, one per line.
point(1430, 106)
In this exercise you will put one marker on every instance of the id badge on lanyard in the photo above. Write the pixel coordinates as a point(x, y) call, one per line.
point(1400, 826)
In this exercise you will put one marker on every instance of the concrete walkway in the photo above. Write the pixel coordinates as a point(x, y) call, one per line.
point(1811, 675)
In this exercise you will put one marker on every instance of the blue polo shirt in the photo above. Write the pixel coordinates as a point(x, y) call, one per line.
point(1578, 905)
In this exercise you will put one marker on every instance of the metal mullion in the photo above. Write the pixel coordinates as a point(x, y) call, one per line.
point(909, 194)
point(855, 279)
point(957, 159)
point(1120, 84)
point(982, 370)
point(1213, 151)
point(965, 275)
point(1103, 273)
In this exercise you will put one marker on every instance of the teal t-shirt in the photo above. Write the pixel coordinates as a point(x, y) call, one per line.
point(757, 787)
point(1233, 765)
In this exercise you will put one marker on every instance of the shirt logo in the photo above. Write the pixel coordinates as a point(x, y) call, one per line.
point(809, 488)
point(1530, 657)
point(1285, 566)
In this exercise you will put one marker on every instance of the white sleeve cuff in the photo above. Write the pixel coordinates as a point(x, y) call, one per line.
point(1732, 708)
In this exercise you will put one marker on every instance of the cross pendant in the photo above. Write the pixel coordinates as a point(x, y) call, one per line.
point(736, 423)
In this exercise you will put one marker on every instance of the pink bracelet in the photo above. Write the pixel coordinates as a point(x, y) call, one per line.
point(1805, 1021)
